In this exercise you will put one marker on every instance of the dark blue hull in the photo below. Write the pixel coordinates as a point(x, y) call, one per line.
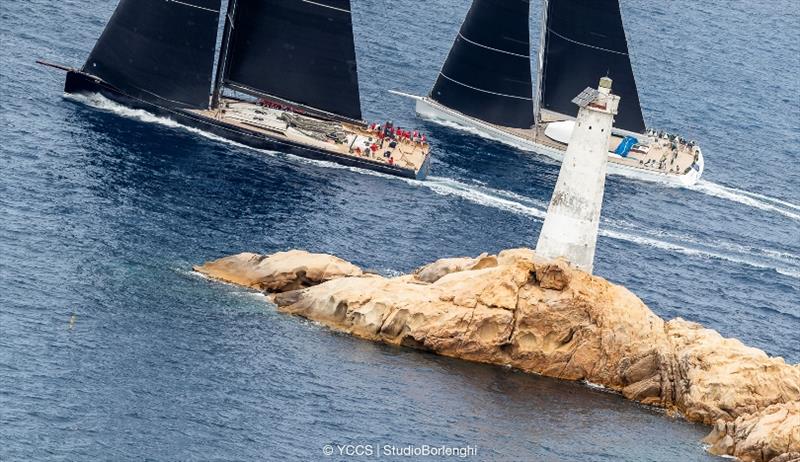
point(81, 83)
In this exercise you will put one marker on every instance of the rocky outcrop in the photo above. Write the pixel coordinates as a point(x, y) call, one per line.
point(432, 272)
point(721, 378)
point(280, 271)
point(772, 434)
point(543, 317)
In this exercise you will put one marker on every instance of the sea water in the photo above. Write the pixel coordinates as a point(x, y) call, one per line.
point(111, 348)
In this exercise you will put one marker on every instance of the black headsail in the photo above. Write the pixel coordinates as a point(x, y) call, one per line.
point(585, 40)
point(161, 51)
point(301, 51)
point(487, 74)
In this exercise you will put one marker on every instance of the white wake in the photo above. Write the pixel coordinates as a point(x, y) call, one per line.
point(750, 199)
point(781, 262)
point(515, 203)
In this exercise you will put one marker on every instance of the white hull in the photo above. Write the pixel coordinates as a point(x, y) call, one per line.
point(435, 112)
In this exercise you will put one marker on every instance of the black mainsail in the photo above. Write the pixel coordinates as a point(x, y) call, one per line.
point(161, 51)
point(300, 51)
point(487, 74)
point(583, 41)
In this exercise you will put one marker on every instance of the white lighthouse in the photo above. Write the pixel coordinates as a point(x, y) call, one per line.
point(570, 227)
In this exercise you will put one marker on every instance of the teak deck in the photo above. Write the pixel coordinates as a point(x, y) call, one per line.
point(268, 121)
point(661, 157)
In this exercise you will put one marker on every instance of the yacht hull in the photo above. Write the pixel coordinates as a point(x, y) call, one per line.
point(78, 82)
point(430, 110)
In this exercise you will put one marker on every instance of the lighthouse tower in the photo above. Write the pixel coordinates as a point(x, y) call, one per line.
point(570, 227)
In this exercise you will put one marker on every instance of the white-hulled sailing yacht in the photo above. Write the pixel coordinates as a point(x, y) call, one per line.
point(485, 85)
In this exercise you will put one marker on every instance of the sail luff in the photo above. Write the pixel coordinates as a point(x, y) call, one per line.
point(537, 108)
point(224, 48)
point(585, 40)
point(159, 51)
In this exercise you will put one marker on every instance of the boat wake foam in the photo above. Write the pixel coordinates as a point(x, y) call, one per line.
point(99, 101)
point(768, 259)
point(750, 199)
point(755, 200)
point(482, 195)
point(711, 252)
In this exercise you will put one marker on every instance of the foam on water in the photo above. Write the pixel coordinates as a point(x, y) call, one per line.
point(774, 260)
point(597, 386)
point(769, 199)
point(508, 201)
point(750, 199)
point(481, 196)
point(196, 274)
point(99, 101)
point(239, 292)
point(694, 252)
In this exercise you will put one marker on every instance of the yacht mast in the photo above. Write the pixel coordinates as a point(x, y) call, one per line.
point(223, 53)
point(581, 41)
point(537, 108)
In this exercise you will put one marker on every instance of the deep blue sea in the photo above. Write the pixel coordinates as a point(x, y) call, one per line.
point(112, 349)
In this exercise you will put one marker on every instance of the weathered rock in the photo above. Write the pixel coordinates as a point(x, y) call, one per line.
point(723, 378)
point(544, 317)
point(280, 271)
point(432, 272)
point(772, 434)
point(553, 275)
point(787, 457)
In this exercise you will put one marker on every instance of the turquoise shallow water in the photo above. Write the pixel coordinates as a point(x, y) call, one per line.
point(105, 211)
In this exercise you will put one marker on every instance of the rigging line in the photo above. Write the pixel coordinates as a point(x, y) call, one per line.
point(159, 96)
point(493, 49)
point(482, 90)
point(125, 92)
point(327, 6)
point(586, 44)
point(194, 6)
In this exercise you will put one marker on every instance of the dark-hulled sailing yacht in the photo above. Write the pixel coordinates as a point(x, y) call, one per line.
point(289, 64)
point(486, 85)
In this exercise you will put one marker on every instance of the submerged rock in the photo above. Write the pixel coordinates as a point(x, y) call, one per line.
point(548, 318)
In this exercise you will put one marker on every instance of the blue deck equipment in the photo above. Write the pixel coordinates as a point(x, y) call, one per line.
point(625, 146)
